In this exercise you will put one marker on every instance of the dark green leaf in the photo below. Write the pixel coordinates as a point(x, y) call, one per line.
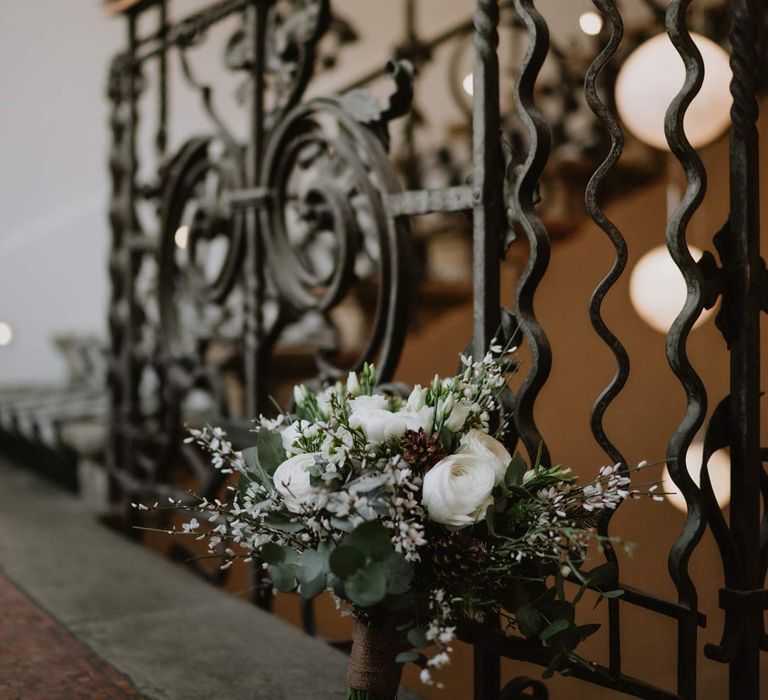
point(602, 575)
point(272, 553)
point(283, 523)
point(515, 471)
point(368, 586)
point(400, 574)
point(552, 629)
point(283, 577)
point(529, 621)
point(417, 638)
point(405, 657)
point(587, 630)
point(372, 539)
point(311, 587)
point(562, 609)
point(346, 561)
point(555, 664)
point(255, 471)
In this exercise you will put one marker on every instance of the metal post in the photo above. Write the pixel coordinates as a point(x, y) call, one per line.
point(487, 176)
point(743, 289)
point(256, 21)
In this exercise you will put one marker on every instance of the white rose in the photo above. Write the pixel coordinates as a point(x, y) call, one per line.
point(378, 424)
point(292, 481)
point(292, 433)
point(424, 418)
point(489, 449)
point(457, 490)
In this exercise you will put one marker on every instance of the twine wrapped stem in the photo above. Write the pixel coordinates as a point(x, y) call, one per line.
point(373, 673)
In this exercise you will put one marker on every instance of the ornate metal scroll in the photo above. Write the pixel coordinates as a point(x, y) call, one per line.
point(259, 239)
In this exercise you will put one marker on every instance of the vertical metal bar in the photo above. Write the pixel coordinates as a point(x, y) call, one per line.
point(130, 407)
point(161, 137)
point(745, 350)
point(487, 220)
point(487, 176)
point(696, 396)
point(256, 22)
point(610, 12)
point(524, 206)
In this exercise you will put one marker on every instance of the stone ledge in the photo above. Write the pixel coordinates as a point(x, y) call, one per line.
point(174, 636)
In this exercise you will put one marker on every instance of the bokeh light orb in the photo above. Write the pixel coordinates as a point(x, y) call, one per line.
point(657, 289)
point(652, 76)
point(719, 469)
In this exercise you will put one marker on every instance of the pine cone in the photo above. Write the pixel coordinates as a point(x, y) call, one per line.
point(459, 556)
point(420, 450)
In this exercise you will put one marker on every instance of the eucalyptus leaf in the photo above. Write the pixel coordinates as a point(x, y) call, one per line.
point(400, 574)
point(255, 471)
point(405, 657)
point(371, 539)
point(368, 586)
point(283, 577)
point(529, 621)
point(554, 628)
point(272, 553)
point(283, 523)
point(515, 471)
point(269, 445)
point(346, 561)
point(417, 638)
point(313, 563)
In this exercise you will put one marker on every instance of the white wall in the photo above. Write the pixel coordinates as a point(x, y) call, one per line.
point(53, 183)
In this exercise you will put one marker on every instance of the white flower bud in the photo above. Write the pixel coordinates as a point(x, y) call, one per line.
point(353, 384)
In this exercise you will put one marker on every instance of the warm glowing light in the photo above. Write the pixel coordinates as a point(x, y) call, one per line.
point(652, 76)
point(6, 334)
point(181, 237)
point(591, 23)
point(719, 469)
point(658, 291)
point(468, 84)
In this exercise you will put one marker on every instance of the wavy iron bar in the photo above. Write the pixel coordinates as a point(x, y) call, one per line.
point(696, 395)
point(610, 12)
point(524, 209)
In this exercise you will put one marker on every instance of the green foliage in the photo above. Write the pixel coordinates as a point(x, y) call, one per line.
point(515, 471)
point(368, 568)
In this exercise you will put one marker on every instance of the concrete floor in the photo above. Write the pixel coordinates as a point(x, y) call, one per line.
point(171, 634)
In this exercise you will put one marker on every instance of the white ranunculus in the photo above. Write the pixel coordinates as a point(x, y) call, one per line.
point(292, 481)
point(458, 416)
point(378, 424)
point(291, 433)
point(424, 418)
point(457, 490)
point(364, 404)
point(489, 449)
point(417, 399)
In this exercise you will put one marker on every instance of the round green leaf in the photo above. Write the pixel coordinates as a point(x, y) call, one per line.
point(368, 586)
point(346, 561)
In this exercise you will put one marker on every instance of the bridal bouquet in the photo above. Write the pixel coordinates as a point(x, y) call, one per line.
point(414, 516)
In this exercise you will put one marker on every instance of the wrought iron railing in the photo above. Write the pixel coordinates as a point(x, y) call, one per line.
point(320, 166)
